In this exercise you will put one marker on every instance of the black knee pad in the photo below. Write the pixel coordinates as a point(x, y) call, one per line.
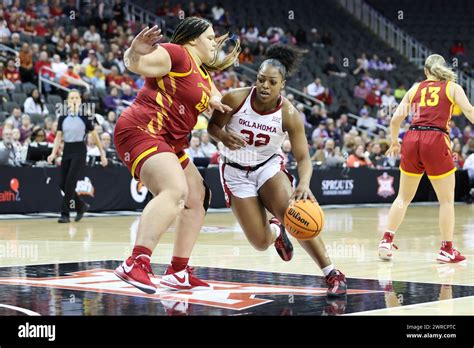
point(207, 196)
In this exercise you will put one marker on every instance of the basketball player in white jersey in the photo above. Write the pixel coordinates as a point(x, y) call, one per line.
point(251, 163)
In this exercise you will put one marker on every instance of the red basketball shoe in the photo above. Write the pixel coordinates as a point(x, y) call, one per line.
point(336, 282)
point(449, 256)
point(282, 244)
point(386, 246)
point(135, 272)
point(182, 280)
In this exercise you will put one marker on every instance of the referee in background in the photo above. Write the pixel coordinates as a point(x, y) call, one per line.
point(73, 127)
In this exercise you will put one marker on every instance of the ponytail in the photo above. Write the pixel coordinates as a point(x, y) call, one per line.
point(286, 58)
point(436, 66)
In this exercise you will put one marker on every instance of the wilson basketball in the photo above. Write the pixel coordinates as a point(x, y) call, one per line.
point(304, 219)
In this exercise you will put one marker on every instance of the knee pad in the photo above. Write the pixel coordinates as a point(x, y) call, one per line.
point(207, 196)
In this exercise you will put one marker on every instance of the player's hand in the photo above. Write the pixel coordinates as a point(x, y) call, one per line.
point(51, 158)
point(103, 161)
point(147, 40)
point(302, 192)
point(393, 150)
point(216, 104)
point(233, 141)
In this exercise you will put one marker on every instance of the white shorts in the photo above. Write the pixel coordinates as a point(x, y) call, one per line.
point(243, 184)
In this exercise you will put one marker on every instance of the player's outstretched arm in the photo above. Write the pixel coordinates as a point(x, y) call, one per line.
point(145, 56)
point(460, 98)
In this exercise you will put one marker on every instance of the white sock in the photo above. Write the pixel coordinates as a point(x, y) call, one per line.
point(392, 232)
point(326, 270)
point(277, 230)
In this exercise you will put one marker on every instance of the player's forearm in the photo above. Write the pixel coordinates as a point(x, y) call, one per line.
point(305, 170)
point(131, 59)
point(215, 131)
point(394, 130)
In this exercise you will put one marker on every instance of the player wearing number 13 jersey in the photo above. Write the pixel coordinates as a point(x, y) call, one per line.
point(151, 134)
point(426, 148)
point(252, 171)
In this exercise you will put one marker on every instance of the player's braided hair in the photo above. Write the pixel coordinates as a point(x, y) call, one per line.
point(191, 28)
point(286, 58)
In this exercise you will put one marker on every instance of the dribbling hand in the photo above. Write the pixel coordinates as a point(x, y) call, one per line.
point(303, 192)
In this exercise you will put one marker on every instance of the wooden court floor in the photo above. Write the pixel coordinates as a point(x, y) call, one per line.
point(351, 236)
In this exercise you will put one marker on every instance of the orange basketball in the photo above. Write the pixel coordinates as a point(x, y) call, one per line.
point(304, 219)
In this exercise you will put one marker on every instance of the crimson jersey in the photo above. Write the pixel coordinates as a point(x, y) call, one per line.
point(169, 106)
point(432, 104)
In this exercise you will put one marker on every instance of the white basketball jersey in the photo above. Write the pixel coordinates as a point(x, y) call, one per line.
point(263, 133)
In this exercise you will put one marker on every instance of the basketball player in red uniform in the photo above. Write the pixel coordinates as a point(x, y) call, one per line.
point(151, 135)
point(427, 148)
point(252, 170)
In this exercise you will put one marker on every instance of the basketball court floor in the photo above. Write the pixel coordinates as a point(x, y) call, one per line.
point(48, 268)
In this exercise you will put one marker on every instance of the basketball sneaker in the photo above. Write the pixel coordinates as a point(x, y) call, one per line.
point(335, 306)
point(178, 308)
point(385, 246)
point(336, 282)
point(282, 243)
point(449, 256)
point(135, 272)
point(182, 280)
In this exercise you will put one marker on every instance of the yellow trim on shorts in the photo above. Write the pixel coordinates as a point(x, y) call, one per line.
point(436, 177)
point(410, 174)
point(140, 157)
point(183, 158)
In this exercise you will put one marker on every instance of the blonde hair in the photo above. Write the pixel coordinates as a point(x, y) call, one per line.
point(229, 59)
point(436, 65)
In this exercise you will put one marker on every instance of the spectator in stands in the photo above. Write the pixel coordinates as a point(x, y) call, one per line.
point(118, 11)
point(331, 68)
point(326, 97)
point(359, 158)
point(56, 9)
point(400, 92)
point(300, 108)
point(26, 127)
point(16, 135)
point(8, 154)
point(38, 140)
point(34, 104)
point(320, 132)
point(128, 81)
point(11, 72)
point(366, 122)
point(26, 63)
point(106, 141)
point(92, 35)
point(360, 68)
point(112, 100)
point(377, 157)
point(70, 79)
point(5, 84)
point(127, 96)
point(110, 61)
point(466, 69)
point(467, 134)
point(15, 42)
point(246, 57)
point(194, 149)
point(469, 166)
point(458, 156)
point(343, 124)
point(207, 148)
point(388, 65)
point(62, 49)
point(289, 158)
point(454, 131)
point(216, 155)
point(218, 13)
point(114, 79)
point(5, 33)
point(361, 91)
point(333, 132)
point(468, 148)
point(15, 118)
point(330, 156)
point(43, 68)
point(375, 63)
point(109, 124)
point(58, 67)
point(458, 49)
point(374, 99)
point(388, 100)
point(94, 66)
point(315, 38)
point(315, 88)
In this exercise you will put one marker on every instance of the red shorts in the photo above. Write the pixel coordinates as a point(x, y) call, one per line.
point(135, 145)
point(428, 151)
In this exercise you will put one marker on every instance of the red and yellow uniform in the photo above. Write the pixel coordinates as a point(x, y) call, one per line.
point(426, 146)
point(164, 112)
